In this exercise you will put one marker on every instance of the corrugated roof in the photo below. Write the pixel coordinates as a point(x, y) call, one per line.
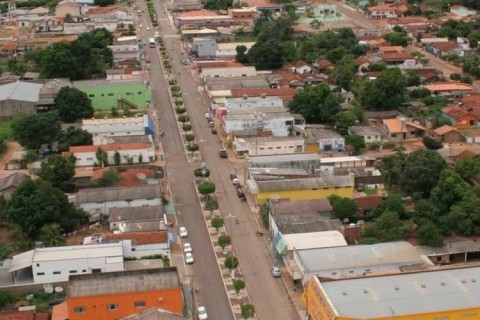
point(20, 91)
point(306, 222)
point(135, 213)
point(23, 315)
point(449, 86)
point(304, 184)
point(444, 130)
point(78, 252)
point(140, 238)
point(287, 206)
point(118, 193)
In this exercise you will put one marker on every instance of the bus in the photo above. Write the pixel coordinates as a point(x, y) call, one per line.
point(151, 42)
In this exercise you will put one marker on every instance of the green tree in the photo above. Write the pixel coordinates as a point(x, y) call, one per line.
point(238, 285)
point(31, 131)
point(217, 223)
point(51, 235)
point(206, 188)
point(218, 4)
point(102, 157)
point(413, 78)
point(345, 72)
point(425, 209)
point(241, 54)
point(73, 104)
point(396, 39)
point(317, 104)
point(103, 3)
point(109, 178)
point(247, 310)
point(117, 159)
point(37, 203)
point(265, 55)
point(455, 76)
point(344, 120)
point(464, 217)
point(211, 205)
point(74, 137)
point(392, 170)
point(432, 144)
point(68, 18)
point(387, 227)
point(5, 250)
point(449, 190)
point(422, 171)
point(429, 235)
point(6, 298)
point(224, 240)
point(393, 203)
point(468, 167)
point(231, 262)
point(356, 142)
point(343, 208)
point(201, 172)
point(57, 170)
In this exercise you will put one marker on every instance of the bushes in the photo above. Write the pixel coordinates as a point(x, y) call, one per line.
point(187, 127)
point(193, 147)
point(183, 119)
point(180, 110)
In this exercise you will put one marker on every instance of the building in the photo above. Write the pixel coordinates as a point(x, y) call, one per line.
point(50, 24)
point(86, 156)
point(67, 7)
point(460, 118)
point(430, 294)
point(245, 102)
point(57, 264)
point(203, 18)
point(400, 129)
point(142, 244)
point(303, 189)
point(366, 204)
point(122, 52)
point(109, 13)
point(114, 127)
point(244, 16)
point(229, 49)
point(107, 94)
point(154, 314)
point(228, 72)
point(443, 49)
point(327, 140)
point(10, 183)
point(204, 47)
point(110, 296)
point(369, 134)
point(23, 315)
point(264, 146)
point(449, 89)
point(19, 97)
point(142, 218)
point(401, 59)
point(286, 206)
point(98, 201)
point(448, 134)
point(453, 252)
point(462, 11)
point(358, 260)
point(48, 93)
point(189, 35)
point(279, 123)
point(299, 67)
point(382, 12)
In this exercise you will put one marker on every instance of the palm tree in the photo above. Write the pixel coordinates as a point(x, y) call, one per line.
point(51, 236)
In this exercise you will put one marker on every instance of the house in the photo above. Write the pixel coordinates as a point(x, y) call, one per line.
point(366, 204)
point(357, 261)
point(228, 72)
point(68, 7)
point(50, 24)
point(285, 206)
point(255, 146)
point(11, 182)
point(472, 136)
point(243, 16)
point(382, 12)
point(204, 47)
point(449, 89)
point(402, 129)
point(462, 11)
point(109, 13)
point(48, 93)
point(38, 12)
point(23, 315)
point(443, 49)
point(142, 244)
point(98, 201)
point(299, 67)
point(286, 94)
point(188, 35)
point(462, 251)
point(369, 134)
point(460, 118)
point(57, 264)
point(448, 134)
point(327, 140)
point(303, 188)
point(203, 18)
point(114, 127)
point(124, 293)
point(86, 156)
point(18, 97)
point(398, 58)
point(129, 219)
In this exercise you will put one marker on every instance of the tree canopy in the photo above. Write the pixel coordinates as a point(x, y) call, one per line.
point(387, 227)
point(343, 208)
point(422, 171)
point(31, 131)
point(103, 3)
point(58, 171)
point(73, 104)
point(73, 137)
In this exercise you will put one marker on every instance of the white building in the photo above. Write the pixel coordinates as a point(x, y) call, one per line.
point(229, 49)
point(85, 156)
point(142, 218)
point(142, 244)
point(462, 11)
point(56, 264)
point(228, 72)
point(369, 134)
point(98, 201)
point(205, 47)
point(118, 127)
point(264, 146)
point(328, 140)
point(82, 27)
point(253, 102)
point(276, 122)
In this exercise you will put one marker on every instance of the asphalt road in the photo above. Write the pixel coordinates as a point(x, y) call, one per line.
point(204, 272)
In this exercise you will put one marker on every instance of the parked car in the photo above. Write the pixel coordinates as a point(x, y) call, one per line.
point(240, 193)
point(183, 232)
point(187, 247)
point(202, 313)
point(211, 124)
point(234, 179)
point(189, 258)
point(148, 28)
point(213, 131)
point(222, 153)
point(276, 273)
point(208, 116)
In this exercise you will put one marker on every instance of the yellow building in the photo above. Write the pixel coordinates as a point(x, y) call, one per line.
point(304, 188)
point(451, 294)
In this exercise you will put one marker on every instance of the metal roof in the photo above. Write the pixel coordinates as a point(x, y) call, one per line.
point(286, 158)
point(21, 91)
point(117, 193)
point(325, 239)
point(404, 294)
point(123, 282)
point(304, 184)
point(306, 222)
point(78, 252)
point(21, 261)
point(135, 213)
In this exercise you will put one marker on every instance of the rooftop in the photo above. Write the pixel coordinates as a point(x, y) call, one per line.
point(287, 206)
point(154, 314)
point(404, 294)
point(135, 213)
point(100, 284)
point(368, 202)
point(320, 134)
point(306, 222)
point(111, 147)
point(13, 180)
point(444, 130)
point(305, 183)
point(107, 83)
point(23, 315)
point(455, 247)
point(364, 131)
point(448, 86)
point(117, 193)
point(139, 238)
point(21, 91)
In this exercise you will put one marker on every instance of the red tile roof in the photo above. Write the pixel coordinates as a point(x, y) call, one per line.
point(397, 56)
point(444, 46)
point(111, 147)
point(454, 111)
point(198, 13)
point(103, 10)
point(23, 315)
point(387, 49)
point(140, 238)
point(444, 130)
point(448, 86)
point(368, 202)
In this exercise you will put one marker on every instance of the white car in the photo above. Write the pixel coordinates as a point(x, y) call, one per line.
point(140, 26)
point(183, 232)
point(207, 115)
point(276, 273)
point(202, 313)
point(148, 28)
point(187, 247)
point(189, 258)
point(235, 181)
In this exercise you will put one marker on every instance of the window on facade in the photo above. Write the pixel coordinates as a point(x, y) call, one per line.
point(139, 304)
point(96, 270)
point(84, 270)
point(78, 309)
point(270, 148)
point(57, 272)
point(90, 159)
point(112, 306)
point(110, 94)
point(73, 271)
point(40, 273)
point(279, 147)
point(128, 132)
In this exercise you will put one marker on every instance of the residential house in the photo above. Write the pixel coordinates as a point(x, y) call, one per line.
point(68, 7)
point(23, 315)
point(123, 293)
point(109, 13)
point(86, 156)
point(203, 18)
point(327, 140)
point(98, 201)
point(188, 35)
point(142, 244)
point(18, 97)
point(453, 252)
point(443, 49)
point(250, 103)
point(286, 94)
point(472, 136)
point(286, 206)
point(50, 24)
point(398, 59)
point(357, 261)
point(366, 204)
point(368, 133)
point(391, 49)
point(402, 129)
point(462, 11)
point(262, 146)
point(407, 22)
point(303, 188)
point(449, 89)
point(9, 48)
point(243, 16)
point(57, 264)
point(322, 65)
point(134, 219)
point(11, 182)
point(125, 73)
point(299, 67)
point(125, 51)
point(38, 12)
point(114, 127)
point(448, 134)
point(382, 12)
point(460, 118)
point(204, 47)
